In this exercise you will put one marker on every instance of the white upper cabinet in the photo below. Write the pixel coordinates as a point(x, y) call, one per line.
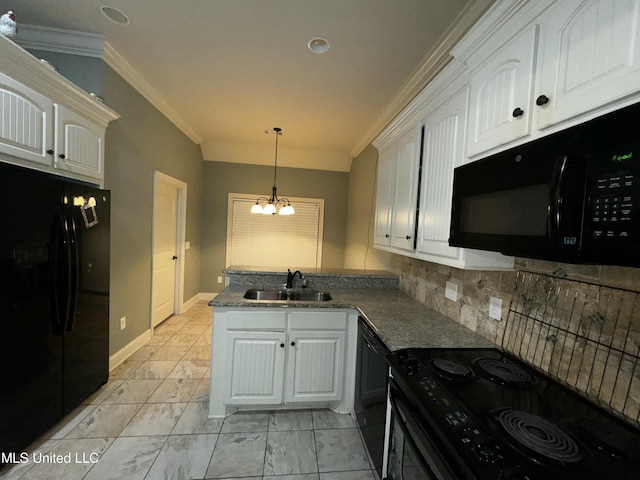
point(384, 196)
point(397, 192)
point(47, 122)
point(563, 63)
point(501, 91)
point(443, 150)
point(403, 222)
point(79, 144)
point(589, 56)
point(525, 70)
point(25, 122)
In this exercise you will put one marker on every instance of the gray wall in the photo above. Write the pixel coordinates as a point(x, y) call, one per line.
point(220, 179)
point(141, 141)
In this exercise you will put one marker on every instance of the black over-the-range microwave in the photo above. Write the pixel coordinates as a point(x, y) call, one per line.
point(572, 196)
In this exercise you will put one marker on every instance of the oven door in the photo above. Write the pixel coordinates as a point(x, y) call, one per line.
point(412, 455)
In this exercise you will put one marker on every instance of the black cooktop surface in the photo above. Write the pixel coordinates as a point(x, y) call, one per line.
point(504, 420)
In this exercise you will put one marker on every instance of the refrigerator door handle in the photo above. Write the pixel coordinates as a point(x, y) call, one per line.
point(74, 274)
point(59, 274)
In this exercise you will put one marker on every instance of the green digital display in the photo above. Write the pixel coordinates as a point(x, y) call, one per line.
point(622, 157)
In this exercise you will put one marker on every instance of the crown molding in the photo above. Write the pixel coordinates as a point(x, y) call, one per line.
point(60, 41)
point(95, 45)
point(123, 68)
point(433, 63)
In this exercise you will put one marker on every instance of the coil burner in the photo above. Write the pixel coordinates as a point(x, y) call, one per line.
point(537, 437)
point(504, 373)
point(450, 369)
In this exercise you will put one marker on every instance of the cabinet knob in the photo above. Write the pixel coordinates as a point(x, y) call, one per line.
point(386, 235)
point(282, 345)
point(293, 344)
point(62, 156)
point(518, 112)
point(50, 152)
point(542, 100)
point(408, 237)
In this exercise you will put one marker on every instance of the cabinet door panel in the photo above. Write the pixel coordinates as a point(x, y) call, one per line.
point(315, 367)
point(79, 144)
point(406, 190)
point(25, 122)
point(498, 88)
point(590, 56)
point(443, 150)
point(384, 196)
point(256, 368)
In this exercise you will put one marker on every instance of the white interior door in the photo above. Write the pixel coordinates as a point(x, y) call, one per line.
point(165, 251)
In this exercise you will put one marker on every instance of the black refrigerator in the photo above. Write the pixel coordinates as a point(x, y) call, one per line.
point(54, 300)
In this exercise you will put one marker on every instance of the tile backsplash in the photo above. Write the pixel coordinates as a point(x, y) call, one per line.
point(577, 348)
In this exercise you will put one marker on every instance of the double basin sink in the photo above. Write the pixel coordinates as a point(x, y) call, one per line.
point(297, 295)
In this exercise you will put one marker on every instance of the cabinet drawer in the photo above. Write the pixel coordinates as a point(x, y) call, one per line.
point(318, 320)
point(256, 320)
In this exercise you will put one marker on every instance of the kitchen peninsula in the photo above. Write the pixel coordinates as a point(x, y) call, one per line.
point(250, 336)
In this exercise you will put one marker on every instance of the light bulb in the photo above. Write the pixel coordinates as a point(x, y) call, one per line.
point(286, 210)
point(269, 209)
point(256, 208)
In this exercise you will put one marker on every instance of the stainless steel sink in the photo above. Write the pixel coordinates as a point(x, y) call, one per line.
point(258, 294)
point(308, 296)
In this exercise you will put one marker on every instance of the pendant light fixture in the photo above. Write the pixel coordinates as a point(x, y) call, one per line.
point(273, 204)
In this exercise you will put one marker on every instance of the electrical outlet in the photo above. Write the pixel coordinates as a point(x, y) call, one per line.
point(451, 291)
point(219, 278)
point(495, 308)
point(123, 323)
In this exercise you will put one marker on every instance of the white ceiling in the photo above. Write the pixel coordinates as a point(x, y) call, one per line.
point(227, 70)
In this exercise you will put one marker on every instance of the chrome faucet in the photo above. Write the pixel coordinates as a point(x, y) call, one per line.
point(291, 276)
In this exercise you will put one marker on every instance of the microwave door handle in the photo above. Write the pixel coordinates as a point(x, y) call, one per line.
point(555, 204)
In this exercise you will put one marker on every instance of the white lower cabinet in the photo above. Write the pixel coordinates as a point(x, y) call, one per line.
point(315, 360)
point(277, 357)
point(256, 373)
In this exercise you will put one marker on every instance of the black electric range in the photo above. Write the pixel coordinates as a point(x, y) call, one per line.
point(483, 414)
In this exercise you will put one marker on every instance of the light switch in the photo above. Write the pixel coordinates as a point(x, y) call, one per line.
point(495, 308)
point(187, 245)
point(451, 291)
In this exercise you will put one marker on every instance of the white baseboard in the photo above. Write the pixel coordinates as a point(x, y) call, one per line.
point(207, 296)
point(190, 303)
point(128, 350)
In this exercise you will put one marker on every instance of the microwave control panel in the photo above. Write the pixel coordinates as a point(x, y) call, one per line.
point(613, 194)
point(612, 206)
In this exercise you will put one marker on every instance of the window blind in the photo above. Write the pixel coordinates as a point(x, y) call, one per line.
point(275, 240)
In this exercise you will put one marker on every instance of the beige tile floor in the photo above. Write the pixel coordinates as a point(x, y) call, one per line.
point(150, 422)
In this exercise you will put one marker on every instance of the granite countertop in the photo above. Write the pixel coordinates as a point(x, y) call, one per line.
point(399, 320)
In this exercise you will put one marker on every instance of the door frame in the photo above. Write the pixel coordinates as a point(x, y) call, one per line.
point(181, 227)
